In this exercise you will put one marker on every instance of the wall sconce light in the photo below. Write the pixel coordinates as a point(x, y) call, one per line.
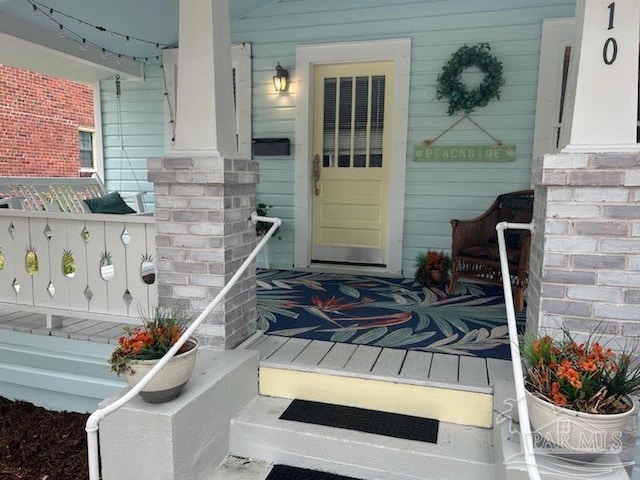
point(280, 79)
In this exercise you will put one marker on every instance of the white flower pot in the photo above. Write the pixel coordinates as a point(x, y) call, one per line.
point(583, 436)
point(169, 381)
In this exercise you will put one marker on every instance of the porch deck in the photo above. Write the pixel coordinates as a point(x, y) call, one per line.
point(407, 381)
point(73, 328)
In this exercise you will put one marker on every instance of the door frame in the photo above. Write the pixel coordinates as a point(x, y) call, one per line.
point(307, 56)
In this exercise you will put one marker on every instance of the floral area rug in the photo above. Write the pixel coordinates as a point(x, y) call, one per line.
point(384, 312)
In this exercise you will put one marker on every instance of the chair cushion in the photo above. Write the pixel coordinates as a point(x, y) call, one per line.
point(512, 239)
point(491, 253)
point(110, 203)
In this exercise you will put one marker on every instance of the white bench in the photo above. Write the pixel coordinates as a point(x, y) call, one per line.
point(57, 194)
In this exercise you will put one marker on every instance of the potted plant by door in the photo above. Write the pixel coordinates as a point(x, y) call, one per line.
point(578, 394)
point(141, 348)
point(432, 268)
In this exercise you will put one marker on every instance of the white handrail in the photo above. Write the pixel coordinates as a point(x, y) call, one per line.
point(94, 419)
point(526, 439)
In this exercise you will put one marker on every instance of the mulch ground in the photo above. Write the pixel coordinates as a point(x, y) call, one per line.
point(40, 444)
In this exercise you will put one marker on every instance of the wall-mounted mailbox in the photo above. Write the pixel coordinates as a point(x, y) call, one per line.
point(271, 146)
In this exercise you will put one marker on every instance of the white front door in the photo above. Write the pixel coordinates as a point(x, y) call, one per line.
point(350, 195)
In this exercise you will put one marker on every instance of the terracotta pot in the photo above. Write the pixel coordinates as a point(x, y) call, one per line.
point(170, 381)
point(436, 276)
point(569, 433)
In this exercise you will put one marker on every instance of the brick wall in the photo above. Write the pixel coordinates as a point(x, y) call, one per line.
point(39, 120)
point(585, 262)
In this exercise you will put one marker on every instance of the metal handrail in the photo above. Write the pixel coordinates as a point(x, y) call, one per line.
point(96, 417)
point(526, 439)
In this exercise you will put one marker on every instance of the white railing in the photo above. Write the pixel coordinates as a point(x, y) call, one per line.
point(91, 265)
point(526, 439)
point(96, 417)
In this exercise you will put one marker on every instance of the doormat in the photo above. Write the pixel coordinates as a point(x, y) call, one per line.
point(285, 472)
point(385, 312)
point(369, 421)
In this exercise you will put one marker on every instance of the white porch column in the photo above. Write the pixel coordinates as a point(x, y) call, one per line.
point(205, 117)
point(204, 192)
point(603, 78)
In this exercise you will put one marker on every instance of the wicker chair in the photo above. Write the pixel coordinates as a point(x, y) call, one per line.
point(474, 245)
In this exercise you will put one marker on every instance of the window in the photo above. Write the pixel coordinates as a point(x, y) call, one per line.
point(357, 105)
point(87, 160)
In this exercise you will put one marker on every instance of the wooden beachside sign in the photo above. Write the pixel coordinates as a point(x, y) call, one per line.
point(464, 153)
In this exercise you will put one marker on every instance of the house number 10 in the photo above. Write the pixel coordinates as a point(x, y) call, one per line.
point(610, 49)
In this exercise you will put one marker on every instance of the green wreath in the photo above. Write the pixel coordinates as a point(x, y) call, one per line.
point(460, 97)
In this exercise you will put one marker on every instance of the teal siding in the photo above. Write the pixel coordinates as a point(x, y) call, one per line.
point(142, 127)
point(435, 192)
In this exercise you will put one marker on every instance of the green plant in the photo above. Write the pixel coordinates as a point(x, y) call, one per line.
point(262, 209)
point(585, 377)
point(151, 340)
point(432, 268)
point(433, 260)
point(450, 84)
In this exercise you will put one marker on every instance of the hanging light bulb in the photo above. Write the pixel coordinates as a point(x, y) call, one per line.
point(35, 12)
point(61, 31)
point(83, 46)
point(104, 53)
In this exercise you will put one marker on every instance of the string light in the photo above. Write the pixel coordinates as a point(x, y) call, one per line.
point(39, 8)
point(169, 106)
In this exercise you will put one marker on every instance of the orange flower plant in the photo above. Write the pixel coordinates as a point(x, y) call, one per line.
point(586, 377)
point(151, 340)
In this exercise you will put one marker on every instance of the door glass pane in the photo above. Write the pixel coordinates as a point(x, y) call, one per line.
point(344, 118)
point(329, 122)
point(377, 120)
point(361, 122)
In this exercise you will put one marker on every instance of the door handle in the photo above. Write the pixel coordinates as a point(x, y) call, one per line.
point(316, 174)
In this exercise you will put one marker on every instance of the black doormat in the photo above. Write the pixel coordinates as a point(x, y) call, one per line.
point(285, 472)
point(369, 421)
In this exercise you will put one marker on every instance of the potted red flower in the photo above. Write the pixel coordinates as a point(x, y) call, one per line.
point(432, 268)
point(578, 394)
point(141, 348)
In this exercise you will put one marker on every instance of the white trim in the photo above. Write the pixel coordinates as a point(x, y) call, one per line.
point(98, 152)
point(241, 62)
point(396, 50)
point(557, 34)
point(620, 148)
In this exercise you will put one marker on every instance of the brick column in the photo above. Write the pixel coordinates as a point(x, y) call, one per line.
point(202, 236)
point(585, 262)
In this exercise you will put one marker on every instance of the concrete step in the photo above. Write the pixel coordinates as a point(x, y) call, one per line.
point(462, 452)
point(56, 373)
point(236, 468)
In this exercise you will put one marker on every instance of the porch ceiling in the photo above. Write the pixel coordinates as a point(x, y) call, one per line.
point(32, 40)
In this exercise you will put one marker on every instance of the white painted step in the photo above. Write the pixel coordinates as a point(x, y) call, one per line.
point(56, 373)
point(462, 452)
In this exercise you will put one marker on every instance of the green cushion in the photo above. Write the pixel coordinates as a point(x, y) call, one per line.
point(110, 203)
